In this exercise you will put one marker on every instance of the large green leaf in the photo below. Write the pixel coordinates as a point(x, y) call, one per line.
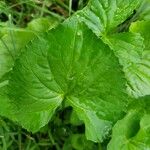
point(133, 131)
point(129, 49)
point(77, 68)
point(143, 67)
point(11, 43)
point(102, 16)
point(133, 51)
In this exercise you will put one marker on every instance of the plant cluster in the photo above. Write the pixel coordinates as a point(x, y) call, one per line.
point(92, 71)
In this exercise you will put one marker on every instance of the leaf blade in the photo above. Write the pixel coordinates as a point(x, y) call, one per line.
point(71, 67)
point(102, 16)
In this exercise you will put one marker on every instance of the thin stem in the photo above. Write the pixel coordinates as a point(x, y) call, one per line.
point(70, 7)
point(43, 7)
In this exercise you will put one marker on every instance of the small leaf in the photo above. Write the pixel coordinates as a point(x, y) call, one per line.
point(132, 132)
point(102, 16)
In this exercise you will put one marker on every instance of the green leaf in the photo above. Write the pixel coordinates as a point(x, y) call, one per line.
point(132, 132)
point(11, 44)
point(133, 51)
point(129, 48)
point(80, 70)
point(102, 16)
point(10, 48)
